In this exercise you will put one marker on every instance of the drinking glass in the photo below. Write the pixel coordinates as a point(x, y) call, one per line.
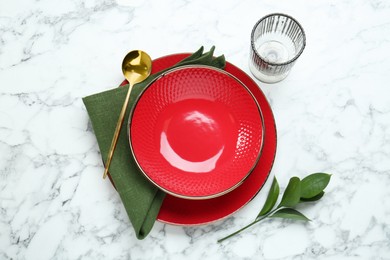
point(277, 40)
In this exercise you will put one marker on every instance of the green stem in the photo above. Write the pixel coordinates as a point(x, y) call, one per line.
point(238, 231)
point(247, 226)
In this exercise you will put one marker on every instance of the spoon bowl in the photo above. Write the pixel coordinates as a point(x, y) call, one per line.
point(136, 66)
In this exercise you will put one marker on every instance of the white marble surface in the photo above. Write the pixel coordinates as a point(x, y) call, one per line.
point(332, 115)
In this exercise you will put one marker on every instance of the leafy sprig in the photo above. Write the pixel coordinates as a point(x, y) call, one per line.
point(311, 188)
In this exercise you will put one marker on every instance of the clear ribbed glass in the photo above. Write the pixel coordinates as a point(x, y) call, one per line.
point(277, 40)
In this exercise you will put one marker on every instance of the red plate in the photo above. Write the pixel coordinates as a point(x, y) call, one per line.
point(179, 211)
point(196, 132)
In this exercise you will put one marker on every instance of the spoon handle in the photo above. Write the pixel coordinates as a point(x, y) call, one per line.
point(117, 131)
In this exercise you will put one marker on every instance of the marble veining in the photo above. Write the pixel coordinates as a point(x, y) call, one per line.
point(332, 114)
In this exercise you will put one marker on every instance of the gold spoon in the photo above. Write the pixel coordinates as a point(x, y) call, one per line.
point(136, 67)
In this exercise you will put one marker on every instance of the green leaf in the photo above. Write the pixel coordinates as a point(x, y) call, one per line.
point(314, 184)
point(315, 198)
point(289, 213)
point(271, 198)
point(292, 194)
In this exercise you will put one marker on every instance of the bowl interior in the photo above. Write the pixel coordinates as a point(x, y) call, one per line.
point(196, 132)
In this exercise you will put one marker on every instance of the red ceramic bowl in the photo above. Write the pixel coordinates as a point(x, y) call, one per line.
point(196, 132)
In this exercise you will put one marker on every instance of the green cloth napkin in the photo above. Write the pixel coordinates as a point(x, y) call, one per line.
point(141, 199)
